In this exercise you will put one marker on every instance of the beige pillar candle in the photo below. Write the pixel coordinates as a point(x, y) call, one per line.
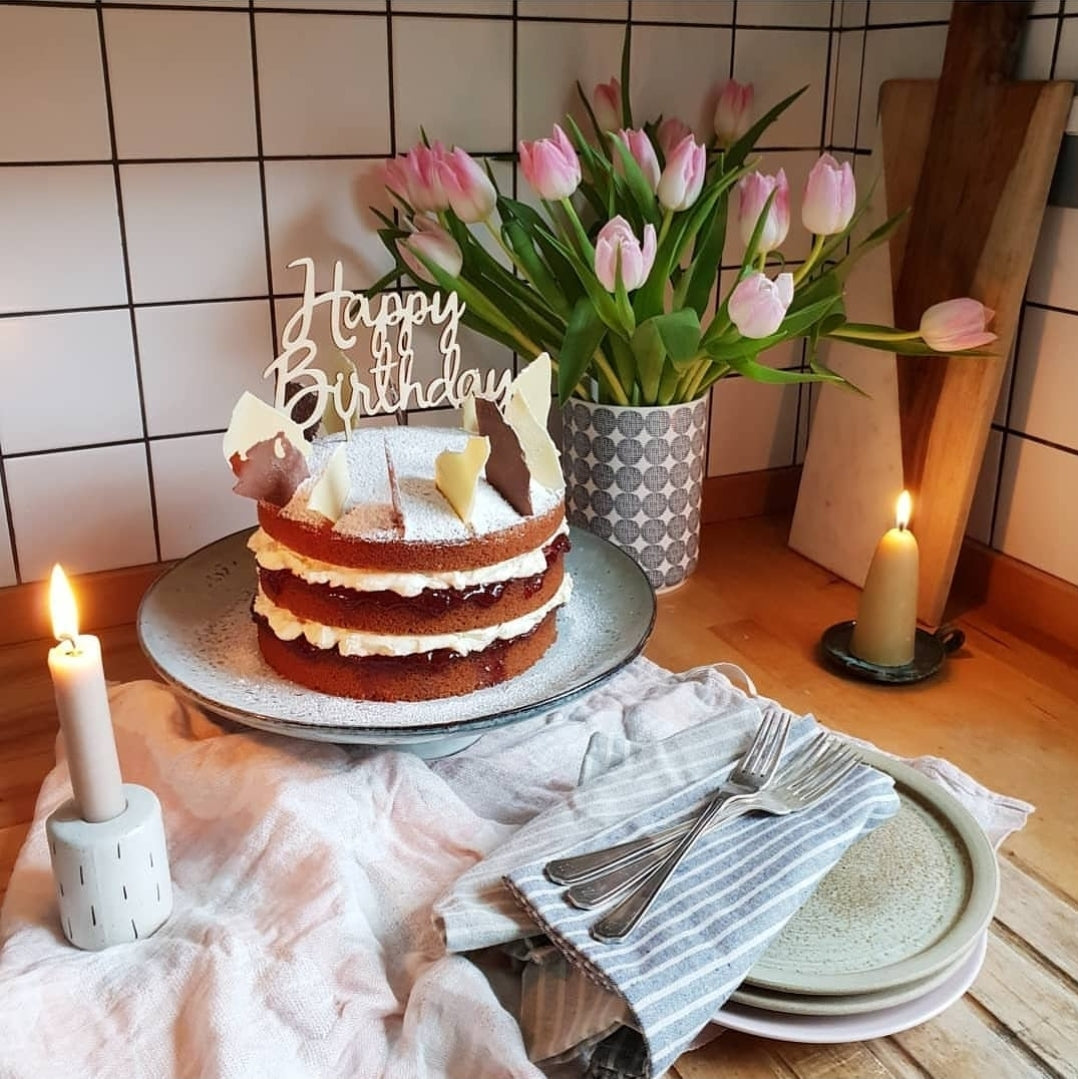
point(82, 703)
point(887, 614)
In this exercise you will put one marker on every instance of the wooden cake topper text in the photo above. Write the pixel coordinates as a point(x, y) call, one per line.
point(391, 387)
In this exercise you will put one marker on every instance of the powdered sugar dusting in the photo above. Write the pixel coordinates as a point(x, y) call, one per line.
point(427, 516)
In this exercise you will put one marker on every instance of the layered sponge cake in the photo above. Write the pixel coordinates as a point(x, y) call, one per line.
point(400, 597)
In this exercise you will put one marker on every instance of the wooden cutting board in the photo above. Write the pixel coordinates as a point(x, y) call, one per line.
point(973, 154)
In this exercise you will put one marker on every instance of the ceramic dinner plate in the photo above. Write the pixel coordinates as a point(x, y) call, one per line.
point(904, 903)
point(195, 627)
point(881, 1023)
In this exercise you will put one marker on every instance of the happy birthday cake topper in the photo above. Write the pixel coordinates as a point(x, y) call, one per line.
point(303, 389)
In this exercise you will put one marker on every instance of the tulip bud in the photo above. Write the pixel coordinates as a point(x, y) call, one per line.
point(416, 177)
point(636, 261)
point(639, 145)
point(671, 132)
point(757, 306)
point(551, 166)
point(733, 111)
point(830, 197)
point(606, 104)
point(955, 325)
point(436, 245)
point(683, 178)
point(471, 195)
point(753, 192)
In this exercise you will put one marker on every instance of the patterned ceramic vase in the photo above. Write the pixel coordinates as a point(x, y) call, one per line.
point(634, 476)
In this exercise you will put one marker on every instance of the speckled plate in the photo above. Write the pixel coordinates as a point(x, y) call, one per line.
point(879, 1023)
point(905, 902)
point(195, 627)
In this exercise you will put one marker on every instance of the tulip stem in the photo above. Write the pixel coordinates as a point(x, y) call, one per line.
point(506, 248)
point(576, 227)
point(863, 334)
point(664, 228)
point(617, 391)
point(814, 254)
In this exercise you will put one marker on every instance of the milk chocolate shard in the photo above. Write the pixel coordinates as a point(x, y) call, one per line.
point(507, 472)
point(271, 471)
point(456, 473)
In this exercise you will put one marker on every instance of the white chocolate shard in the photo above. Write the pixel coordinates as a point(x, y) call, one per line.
point(540, 454)
point(329, 494)
point(467, 415)
point(533, 384)
point(254, 421)
point(456, 474)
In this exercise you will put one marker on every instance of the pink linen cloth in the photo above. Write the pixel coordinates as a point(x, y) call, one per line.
point(302, 941)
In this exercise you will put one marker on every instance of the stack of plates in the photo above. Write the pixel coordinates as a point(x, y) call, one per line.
point(894, 934)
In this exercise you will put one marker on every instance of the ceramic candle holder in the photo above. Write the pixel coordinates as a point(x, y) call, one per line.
point(112, 877)
point(929, 652)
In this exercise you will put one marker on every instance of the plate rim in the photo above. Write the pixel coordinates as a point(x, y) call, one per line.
point(837, 1029)
point(974, 919)
point(376, 735)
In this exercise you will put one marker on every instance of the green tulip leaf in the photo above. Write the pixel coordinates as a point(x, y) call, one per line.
point(635, 180)
point(744, 145)
point(626, 58)
point(680, 333)
point(604, 303)
point(583, 336)
point(650, 352)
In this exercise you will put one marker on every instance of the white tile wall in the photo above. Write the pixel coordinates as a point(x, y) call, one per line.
point(323, 83)
point(181, 83)
point(44, 361)
point(88, 509)
point(195, 502)
point(197, 91)
point(7, 562)
point(61, 238)
point(59, 113)
point(1037, 518)
point(198, 358)
point(194, 230)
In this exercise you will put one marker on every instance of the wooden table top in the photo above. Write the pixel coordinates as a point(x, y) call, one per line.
point(1004, 709)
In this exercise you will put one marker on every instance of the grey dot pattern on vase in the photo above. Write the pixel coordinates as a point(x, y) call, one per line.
point(635, 477)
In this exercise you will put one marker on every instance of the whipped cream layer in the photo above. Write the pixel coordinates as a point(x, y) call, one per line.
point(270, 554)
point(350, 642)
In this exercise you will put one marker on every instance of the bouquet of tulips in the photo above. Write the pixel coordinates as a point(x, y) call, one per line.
point(616, 275)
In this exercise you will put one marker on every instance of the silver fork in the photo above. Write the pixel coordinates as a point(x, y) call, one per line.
point(751, 774)
point(801, 784)
point(753, 771)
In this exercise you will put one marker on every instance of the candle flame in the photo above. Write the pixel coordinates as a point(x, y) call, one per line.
point(65, 615)
point(903, 509)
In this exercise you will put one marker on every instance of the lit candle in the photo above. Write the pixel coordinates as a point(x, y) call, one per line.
point(78, 681)
point(887, 615)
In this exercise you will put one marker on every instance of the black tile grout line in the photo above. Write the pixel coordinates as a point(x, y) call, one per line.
point(391, 105)
point(493, 155)
point(1007, 432)
point(1019, 329)
point(1059, 35)
point(262, 189)
point(126, 256)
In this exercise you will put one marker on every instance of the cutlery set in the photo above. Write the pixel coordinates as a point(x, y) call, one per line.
point(631, 875)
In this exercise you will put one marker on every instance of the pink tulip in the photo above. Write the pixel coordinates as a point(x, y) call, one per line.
point(758, 306)
point(435, 244)
point(471, 195)
point(753, 192)
point(830, 197)
point(636, 261)
point(606, 104)
point(733, 111)
point(639, 145)
point(683, 178)
point(671, 132)
point(955, 325)
point(416, 177)
point(551, 166)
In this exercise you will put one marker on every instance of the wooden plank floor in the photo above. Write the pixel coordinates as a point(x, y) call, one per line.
point(1003, 710)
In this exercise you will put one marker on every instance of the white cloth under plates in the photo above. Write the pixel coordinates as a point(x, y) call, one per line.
point(302, 941)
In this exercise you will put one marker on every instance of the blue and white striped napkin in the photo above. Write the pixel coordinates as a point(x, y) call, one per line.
point(728, 900)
